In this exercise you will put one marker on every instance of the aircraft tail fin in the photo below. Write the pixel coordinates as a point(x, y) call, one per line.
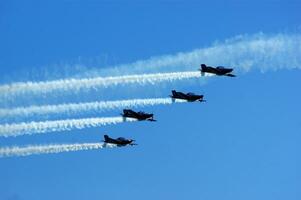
point(203, 69)
point(106, 137)
point(174, 93)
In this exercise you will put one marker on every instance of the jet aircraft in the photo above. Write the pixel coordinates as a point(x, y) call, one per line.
point(137, 115)
point(220, 70)
point(120, 142)
point(190, 97)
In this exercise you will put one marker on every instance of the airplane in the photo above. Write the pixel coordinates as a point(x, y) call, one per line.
point(138, 115)
point(219, 70)
point(190, 97)
point(120, 142)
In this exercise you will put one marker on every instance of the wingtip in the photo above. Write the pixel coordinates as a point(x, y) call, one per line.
point(231, 75)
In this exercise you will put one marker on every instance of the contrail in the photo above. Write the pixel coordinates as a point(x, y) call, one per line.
point(76, 108)
point(243, 52)
point(53, 148)
point(261, 51)
point(94, 83)
point(17, 129)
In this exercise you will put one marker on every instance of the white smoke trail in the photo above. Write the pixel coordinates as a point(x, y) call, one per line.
point(76, 108)
point(87, 83)
point(53, 148)
point(17, 129)
point(244, 52)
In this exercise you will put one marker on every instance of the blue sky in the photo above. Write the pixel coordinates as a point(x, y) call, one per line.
point(241, 144)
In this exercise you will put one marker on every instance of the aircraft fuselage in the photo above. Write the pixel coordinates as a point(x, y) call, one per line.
point(220, 71)
point(137, 115)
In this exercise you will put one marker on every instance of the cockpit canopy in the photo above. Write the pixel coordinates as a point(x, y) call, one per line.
point(121, 139)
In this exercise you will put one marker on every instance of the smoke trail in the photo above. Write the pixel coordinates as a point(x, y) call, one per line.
point(53, 148)
point(244, 52)
point(76, 108)
point(15, 129)
point(87, 83)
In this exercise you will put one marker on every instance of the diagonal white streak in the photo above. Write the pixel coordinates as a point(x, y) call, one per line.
point(260, 51)
point(75, 108)
point(17, 129)
point(243, 52)
point(52, 148)
point(94, 83)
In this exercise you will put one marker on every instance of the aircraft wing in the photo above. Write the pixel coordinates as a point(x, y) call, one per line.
point(230, 75)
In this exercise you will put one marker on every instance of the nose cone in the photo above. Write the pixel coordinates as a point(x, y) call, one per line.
point(229, 70)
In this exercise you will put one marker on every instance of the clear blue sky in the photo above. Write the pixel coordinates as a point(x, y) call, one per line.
point(242, 144)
